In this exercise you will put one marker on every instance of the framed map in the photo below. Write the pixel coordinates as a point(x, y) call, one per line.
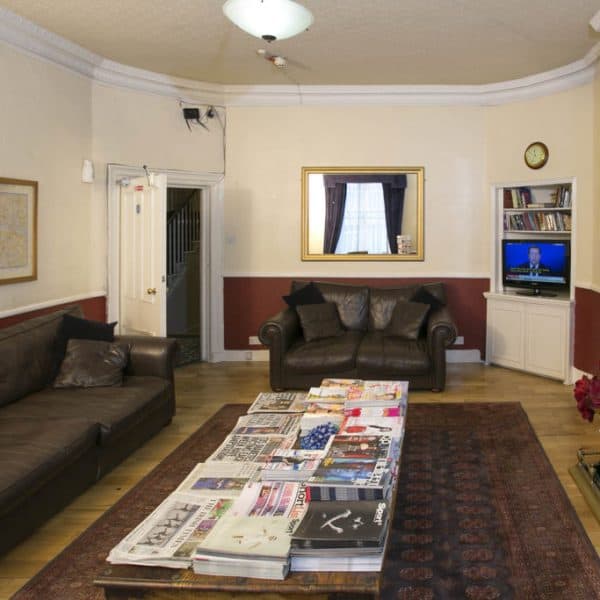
point(18, 230)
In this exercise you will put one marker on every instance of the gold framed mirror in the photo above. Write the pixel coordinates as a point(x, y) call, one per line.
point(362, 213)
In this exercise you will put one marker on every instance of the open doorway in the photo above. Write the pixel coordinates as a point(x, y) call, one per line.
point(211, 189)
point(184, 272)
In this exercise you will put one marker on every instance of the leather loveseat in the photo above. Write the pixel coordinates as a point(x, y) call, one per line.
point(54, 443)
point(362, 350)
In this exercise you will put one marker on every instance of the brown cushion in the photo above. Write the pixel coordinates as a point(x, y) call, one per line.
point(319, 321)
point(382, 304)
point(352, 302)
point(407, 320)
point(92, 363)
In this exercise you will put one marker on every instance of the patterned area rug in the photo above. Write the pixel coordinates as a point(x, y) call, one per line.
point(480, 514)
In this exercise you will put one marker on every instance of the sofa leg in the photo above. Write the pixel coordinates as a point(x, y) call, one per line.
point(436, 390)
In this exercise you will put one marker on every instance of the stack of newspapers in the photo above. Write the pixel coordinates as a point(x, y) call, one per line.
point(261, 504)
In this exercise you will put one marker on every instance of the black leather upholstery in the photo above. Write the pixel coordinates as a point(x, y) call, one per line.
point(56, 442)
point(382, 304)
point(352, 302)
point(363, 351)
point(330, 354)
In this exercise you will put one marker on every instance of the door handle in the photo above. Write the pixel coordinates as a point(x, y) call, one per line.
point(151, 291)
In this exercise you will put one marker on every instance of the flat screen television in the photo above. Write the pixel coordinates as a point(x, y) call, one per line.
point(539, 265)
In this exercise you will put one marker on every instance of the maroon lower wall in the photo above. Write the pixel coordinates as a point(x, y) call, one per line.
point(248, 301)
point(93, 308)
point(587, 330)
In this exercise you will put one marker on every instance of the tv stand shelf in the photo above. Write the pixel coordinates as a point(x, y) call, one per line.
point(529, 333)
point(527, 330)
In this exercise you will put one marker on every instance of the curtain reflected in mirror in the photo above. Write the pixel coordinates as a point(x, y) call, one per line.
point(362, 213)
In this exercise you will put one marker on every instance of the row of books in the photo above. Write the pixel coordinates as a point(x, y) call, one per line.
point(521, 197)
point(260, 503)
point(537, 221)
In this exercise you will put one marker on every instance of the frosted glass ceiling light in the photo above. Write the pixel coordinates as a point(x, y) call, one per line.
point(269, 19)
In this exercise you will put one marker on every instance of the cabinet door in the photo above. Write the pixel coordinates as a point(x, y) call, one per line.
point(506, 330)
point(546, 347)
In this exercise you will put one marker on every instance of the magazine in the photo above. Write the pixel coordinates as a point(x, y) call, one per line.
point(169, 535)
point(291, 465)
point(278, 402)
point(219, 479)
point(250, 448)
point(327, 394)
point(364, 425)
point(271, 499)
point(341, 525)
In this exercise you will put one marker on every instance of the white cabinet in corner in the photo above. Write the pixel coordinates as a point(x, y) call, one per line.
point(529, 333)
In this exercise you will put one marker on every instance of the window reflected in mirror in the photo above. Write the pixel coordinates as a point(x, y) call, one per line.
point(362, 213)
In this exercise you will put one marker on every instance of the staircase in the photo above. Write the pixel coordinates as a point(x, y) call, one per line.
point(183, 269)
point(183, 240)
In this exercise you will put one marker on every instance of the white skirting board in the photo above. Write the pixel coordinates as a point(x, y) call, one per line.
point(452, 356)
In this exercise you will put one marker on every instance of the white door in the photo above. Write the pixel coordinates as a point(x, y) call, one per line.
point(143, 257)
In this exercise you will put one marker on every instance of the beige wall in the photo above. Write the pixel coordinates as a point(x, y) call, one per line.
point(267, 146)
point(45, 133)
point(595, 255)
point(134, 129)
point(564, 123)
point(463, 150)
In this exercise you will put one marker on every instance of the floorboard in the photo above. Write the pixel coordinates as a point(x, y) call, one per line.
point(201, 388)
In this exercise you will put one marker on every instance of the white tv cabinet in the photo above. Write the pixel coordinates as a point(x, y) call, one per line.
point(530, 333)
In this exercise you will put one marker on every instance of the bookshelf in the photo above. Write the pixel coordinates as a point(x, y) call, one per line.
point(531, 333)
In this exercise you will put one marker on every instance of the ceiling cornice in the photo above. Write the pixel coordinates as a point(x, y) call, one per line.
point(36, 41)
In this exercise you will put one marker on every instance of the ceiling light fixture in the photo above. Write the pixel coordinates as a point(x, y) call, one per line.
point(269, 19)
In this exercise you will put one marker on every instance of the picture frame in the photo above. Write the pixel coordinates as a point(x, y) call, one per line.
point(18, 230)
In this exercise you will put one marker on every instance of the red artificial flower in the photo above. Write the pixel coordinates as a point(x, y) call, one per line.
point(587, 396)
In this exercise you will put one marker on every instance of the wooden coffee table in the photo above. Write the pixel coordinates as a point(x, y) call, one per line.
point(124, 582)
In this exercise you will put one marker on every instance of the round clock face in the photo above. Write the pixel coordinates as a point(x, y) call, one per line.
point(536, 155)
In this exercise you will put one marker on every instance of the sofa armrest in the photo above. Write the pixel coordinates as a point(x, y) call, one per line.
point(150, 355)
point(281, 330)
point(441, 330)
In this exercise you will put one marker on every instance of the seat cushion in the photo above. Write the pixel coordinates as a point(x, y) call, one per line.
point(115, 410)
point(33, 450)
point(334, 354)
point(381, 356)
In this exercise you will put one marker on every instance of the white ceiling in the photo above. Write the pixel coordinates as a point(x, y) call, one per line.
point(350, 42)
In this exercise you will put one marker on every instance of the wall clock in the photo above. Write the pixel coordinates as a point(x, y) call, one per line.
point(536, 155)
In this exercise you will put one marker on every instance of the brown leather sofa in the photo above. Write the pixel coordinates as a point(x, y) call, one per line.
point(54, 443)
point(362, 351)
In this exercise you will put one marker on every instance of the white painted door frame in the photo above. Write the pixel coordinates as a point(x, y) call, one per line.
point(212, 185)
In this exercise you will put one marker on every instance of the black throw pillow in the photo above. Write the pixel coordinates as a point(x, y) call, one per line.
point(319, 321)
point(81, 329)
point(407, 320)
point(309, 294)
point(92, 363)
point(425, 297)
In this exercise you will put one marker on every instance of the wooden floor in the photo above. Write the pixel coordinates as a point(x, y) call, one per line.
point(202, 388)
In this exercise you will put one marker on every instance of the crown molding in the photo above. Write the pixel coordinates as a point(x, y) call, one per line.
point(38, 42)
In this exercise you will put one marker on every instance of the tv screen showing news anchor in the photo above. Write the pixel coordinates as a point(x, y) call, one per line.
point(535, 262)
